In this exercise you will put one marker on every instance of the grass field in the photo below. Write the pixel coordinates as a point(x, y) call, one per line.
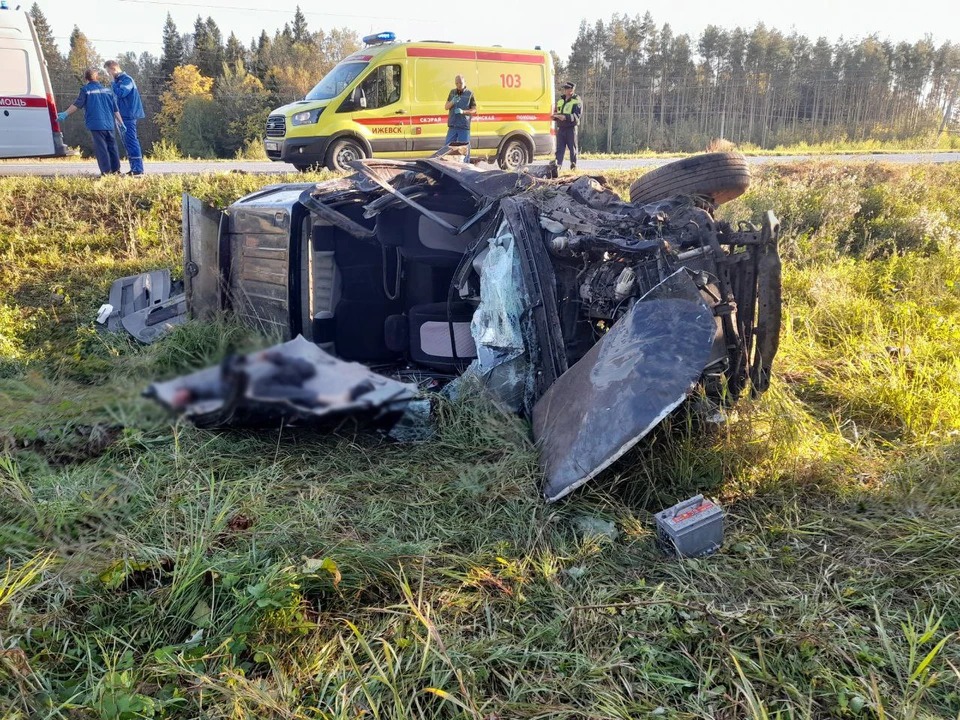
point(156, 570)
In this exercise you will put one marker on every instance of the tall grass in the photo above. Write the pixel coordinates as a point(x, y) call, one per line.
point(155, 570)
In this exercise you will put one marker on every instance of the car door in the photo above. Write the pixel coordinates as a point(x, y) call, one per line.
point(384, 110)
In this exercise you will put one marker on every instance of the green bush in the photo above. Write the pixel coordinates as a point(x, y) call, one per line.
point(165, 151)
point(200, 128)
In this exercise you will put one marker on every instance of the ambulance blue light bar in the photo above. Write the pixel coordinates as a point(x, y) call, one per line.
point(383, 37)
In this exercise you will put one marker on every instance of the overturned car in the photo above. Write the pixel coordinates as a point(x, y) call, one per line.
point(592, 316)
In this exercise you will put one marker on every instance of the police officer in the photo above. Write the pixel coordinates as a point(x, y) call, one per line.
point(567, 116)
point(101, 116)
point(462, 106)
point(131, 110)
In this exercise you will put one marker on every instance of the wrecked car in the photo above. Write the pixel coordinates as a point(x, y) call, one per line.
point(592, 316)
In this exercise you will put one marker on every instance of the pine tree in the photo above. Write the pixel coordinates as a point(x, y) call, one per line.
point(82, 54)
point(207, 52)
point(299, 30)
point(51, 52)
point(172, 56)
point(234, 52)
point(260, 52)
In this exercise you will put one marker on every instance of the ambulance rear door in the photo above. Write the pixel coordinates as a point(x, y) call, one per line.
point(26, 129)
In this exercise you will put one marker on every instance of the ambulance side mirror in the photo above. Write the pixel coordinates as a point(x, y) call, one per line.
point(356, 101)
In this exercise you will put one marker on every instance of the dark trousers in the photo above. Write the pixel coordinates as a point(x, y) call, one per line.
point(460, 135)
point(567, 138)
point(132, 143)
point(105, 148)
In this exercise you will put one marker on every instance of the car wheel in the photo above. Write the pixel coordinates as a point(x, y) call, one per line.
point(343, 152)
point(303, 168)
point(513, 155)
point(720, 177)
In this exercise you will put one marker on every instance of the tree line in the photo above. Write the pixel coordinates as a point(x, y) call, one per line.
point(643, 86)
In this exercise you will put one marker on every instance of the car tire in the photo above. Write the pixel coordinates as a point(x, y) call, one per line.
point(719, 177)
point(303, 168)
point(342, 152)
point(513, 155)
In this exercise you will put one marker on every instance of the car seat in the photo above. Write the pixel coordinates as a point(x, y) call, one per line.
point(424, 333)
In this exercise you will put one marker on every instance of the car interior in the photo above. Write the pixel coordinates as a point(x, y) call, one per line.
point(387, 300)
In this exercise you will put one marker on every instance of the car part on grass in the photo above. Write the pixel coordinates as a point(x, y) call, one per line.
point(294, 382)
point(690, 529)
point(150, 323)
point(593, 316)
point(137, 292)
point(202, 280)
point(104, 313)
point(144, 306)
point(720, 177)
point(641, 370)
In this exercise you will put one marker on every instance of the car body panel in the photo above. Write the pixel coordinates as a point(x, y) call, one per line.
point(637, 374)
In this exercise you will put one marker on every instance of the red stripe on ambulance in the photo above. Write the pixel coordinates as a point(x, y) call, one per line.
point(475, 55)
point(442, 53)
point(438, 119)
point(509, 57)
point(22, 102)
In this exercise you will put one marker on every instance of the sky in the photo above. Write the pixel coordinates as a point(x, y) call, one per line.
point(117, 26)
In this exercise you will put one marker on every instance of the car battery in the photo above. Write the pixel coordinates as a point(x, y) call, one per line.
point(692, 528)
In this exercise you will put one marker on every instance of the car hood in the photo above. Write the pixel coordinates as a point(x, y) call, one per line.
point(300, 106)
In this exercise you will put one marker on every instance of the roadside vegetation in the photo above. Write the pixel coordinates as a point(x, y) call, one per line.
point(155, 570)
point(253, 150)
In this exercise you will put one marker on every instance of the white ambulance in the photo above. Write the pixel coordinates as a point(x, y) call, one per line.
point(28, 113)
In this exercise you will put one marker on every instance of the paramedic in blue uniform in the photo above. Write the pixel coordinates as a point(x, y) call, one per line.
point(131, 110)
point(567, 116)
point(101, 115)
point(462, 106)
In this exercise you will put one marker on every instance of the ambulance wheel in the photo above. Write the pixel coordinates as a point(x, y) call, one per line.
point(343, 152)
point(720, 177)
point(513, 155)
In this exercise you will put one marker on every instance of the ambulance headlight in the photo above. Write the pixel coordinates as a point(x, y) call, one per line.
point(307, 117)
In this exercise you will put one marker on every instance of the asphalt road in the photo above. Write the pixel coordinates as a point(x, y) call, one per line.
point(52, 168)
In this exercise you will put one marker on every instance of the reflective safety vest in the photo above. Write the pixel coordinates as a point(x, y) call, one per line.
point(571, 110)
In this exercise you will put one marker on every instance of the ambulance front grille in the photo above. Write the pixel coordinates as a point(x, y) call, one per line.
point(276, 126)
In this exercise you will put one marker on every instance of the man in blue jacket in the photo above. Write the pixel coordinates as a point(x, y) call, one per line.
point(131, 110)
point(101, 116)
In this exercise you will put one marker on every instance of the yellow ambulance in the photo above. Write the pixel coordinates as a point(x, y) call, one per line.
point(387, 101)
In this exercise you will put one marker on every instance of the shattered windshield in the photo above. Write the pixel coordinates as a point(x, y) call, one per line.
point(336, 81)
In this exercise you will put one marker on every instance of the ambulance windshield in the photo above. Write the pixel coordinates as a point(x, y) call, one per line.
point(336, 81)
